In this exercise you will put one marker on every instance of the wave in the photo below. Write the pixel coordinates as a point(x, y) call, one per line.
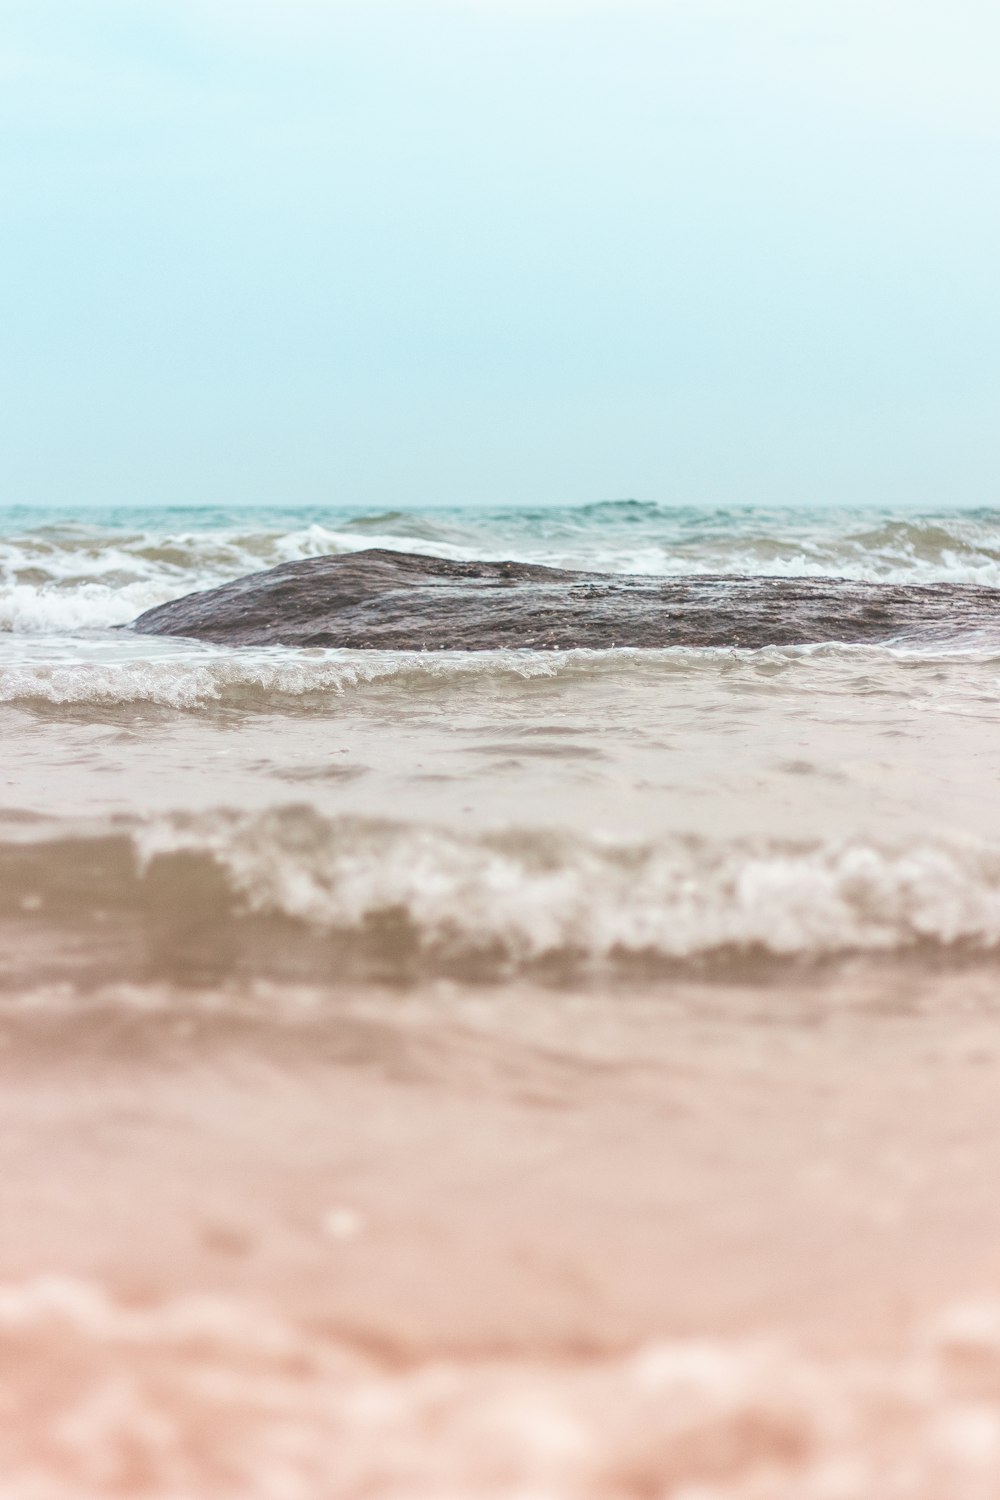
point(78, 578)
point(339, 895)
point(216, 1396)
point(62, 576)
point(272, 679)
point(530, 895)
point(275, 679)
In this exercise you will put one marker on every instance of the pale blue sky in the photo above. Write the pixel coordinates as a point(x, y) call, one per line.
point(452, 250)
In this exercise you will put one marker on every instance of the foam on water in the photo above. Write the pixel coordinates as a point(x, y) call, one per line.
point(527, 896)
point(165, 672)
point(431, 899)
point(190, 678)
point(217, 1397)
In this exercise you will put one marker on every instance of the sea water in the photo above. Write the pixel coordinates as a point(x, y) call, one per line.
point(511, 1073)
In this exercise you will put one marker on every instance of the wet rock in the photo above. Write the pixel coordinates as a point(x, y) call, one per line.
point(399, 601)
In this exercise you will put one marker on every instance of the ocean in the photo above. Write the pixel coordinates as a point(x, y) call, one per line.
point(562, 1075)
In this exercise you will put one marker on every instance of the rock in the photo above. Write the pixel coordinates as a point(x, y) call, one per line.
point(399, 601)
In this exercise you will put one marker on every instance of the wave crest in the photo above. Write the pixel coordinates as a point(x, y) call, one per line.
point(405, 900)
point(529, 895)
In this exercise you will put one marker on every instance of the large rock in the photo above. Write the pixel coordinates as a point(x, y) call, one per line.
point(398, 601)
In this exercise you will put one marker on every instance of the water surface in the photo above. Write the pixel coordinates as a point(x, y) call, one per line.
point(504, 1073)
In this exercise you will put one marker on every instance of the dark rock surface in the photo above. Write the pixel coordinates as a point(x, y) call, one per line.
point(398, 601)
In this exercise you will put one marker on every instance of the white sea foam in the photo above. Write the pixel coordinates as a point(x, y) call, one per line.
point(76, 580)
point(524, 897)
point(428, 899)
point(41, 610)
point(188, 676)
point(216, 1397)
point(195, 679)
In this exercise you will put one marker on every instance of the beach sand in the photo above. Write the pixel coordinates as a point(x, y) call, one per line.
point(528, 1189)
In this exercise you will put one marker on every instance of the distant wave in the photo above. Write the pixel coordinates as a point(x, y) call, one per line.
point(77, 578)
point(412, 899)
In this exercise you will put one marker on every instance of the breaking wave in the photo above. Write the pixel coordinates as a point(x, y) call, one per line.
point(407, 900)
point(190, 677)
point(202, 677)
point(209, 1396)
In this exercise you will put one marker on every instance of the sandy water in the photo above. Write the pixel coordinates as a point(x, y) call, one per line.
point(535, 1074)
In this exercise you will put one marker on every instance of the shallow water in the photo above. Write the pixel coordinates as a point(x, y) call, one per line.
point(502, 1074)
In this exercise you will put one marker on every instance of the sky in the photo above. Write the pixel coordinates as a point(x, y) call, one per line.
point(394, 253)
